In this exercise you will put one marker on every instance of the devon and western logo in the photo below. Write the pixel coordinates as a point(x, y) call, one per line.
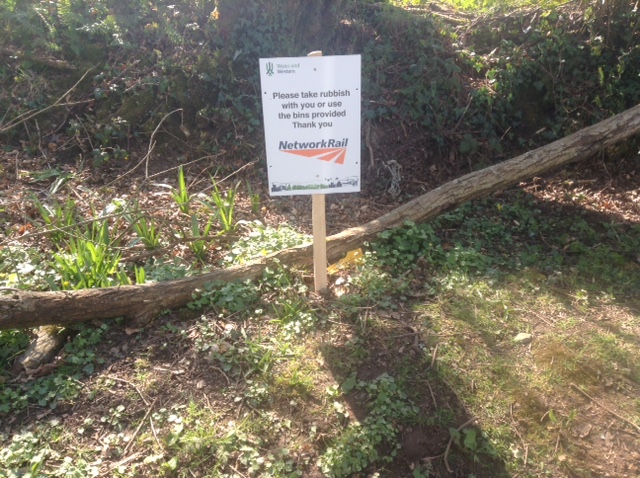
point(331, 150)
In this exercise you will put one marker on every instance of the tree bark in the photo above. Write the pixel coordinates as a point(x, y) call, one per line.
point(141, 303)
point(306, 24)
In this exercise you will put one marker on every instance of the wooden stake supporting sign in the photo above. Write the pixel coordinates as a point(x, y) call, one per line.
point(318, 216)
point(311, 109)
point(318, 213)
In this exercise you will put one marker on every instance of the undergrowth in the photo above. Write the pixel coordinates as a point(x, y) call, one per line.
point(508, 84)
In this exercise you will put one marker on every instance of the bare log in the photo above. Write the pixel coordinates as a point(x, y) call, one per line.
point(48, 341)
point(142, 303)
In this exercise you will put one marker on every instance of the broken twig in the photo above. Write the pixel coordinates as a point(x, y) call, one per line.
point(446, 452)
point(620, 417)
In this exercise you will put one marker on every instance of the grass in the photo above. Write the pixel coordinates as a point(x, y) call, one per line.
point(482, 6)
point(420, 341)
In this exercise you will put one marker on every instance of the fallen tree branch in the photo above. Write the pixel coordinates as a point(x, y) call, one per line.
point(142, 303)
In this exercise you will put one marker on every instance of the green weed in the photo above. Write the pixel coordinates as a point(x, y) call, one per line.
point(359, 445)
point(228, 298)
point(12, 343)
point(263, 240)
point(146, 229)
point(199, 237)
point(254, 198)
point(59, 218)
point(294, 318)
point(181, 194)
point(25, 454)
point(472, 441)
point(24, 268)
point(225, 206)
point(87, 265)
point(159, 269)
point(80, 361)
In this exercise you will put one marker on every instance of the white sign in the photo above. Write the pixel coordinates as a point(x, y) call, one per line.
point(311, 108)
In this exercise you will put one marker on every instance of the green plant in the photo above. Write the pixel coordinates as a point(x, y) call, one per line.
point(80, 360)
point(246, 444)
point(147, 231)
point(60, 219)
point(12, 343)
point(263, 240)
point(140, 275)
point(294, 318)
point(181, 195)
point(372, 285)
point(81, 350)
point(229, 298)
point(24, 455)
point(78, 468)
point(159, 269)
point(497, 5)
point(145, 227)
point(225, 206)
point(255, 200)
point(98, 232)
point(199, 238)
point(29, 453)
point(474, 442)
point(114, 417)
point(87, 265)
point(237, 353)
point(106, 136)
point(402, 247)
point(360, 444)
point(24, 268)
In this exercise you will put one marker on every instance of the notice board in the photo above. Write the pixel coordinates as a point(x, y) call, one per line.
point(311, 109)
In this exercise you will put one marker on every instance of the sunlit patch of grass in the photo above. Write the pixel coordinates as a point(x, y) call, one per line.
point(614, 355)
point(511, 386)
point(564, 361)
point(479, 308)
point(298, 378)
point(486, 6)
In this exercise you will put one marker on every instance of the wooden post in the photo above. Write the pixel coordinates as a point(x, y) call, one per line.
point(318, 207)
point(319, 243)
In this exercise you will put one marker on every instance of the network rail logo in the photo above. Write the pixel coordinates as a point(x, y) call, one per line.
point(330, 150)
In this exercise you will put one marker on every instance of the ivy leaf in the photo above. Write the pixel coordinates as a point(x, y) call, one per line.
point(470, 439)
point(348, 384)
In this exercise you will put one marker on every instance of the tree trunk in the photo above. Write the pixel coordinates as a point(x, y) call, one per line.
point(300, 22)
point(141, 303)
